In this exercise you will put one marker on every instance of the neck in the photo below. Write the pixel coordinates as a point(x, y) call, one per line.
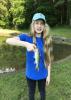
point(38, 35)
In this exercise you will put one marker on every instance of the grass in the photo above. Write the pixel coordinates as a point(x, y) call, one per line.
point(61, 31)
point(2, 38)
point(7, 32)
point(60, 87)
point(14, 86)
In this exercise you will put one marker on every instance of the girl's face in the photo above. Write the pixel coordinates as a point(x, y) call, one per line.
point(39, 26)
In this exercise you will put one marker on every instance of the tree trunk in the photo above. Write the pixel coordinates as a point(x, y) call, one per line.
point(65, 11)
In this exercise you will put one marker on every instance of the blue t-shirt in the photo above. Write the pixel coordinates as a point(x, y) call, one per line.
point(31, 71)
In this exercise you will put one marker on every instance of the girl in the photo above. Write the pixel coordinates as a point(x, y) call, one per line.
point(38, 60)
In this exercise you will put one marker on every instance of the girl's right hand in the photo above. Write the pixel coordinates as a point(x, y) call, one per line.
point(31, 47)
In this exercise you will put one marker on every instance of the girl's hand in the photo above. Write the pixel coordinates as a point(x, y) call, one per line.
point(47, 80)
point(48, 77)
point(31, 47)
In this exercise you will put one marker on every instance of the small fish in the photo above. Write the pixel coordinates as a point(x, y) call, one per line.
point(36, 56)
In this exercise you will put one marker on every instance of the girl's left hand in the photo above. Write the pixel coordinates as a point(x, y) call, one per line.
point(47, 80)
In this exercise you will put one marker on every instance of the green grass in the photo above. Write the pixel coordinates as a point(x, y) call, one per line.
point(7, 32)
point(60, 86)
point(2, 38)
point(61, 31)
point(14, 86)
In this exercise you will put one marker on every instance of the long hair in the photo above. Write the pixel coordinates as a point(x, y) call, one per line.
point(47, 42)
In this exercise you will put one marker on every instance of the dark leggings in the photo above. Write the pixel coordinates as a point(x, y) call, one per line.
point(32, 87)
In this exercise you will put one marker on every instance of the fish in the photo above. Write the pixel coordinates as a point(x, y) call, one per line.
point(36, 56)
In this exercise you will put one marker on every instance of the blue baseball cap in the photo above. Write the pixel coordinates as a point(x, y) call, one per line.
point(38, 16)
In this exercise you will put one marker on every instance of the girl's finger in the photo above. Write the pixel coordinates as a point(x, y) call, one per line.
point(34, 46)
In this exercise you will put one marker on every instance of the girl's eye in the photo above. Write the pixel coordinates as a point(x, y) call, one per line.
point(41, 23)
point(37, 23)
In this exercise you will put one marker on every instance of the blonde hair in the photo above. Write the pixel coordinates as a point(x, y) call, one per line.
point(32, 29)
point(47, 42)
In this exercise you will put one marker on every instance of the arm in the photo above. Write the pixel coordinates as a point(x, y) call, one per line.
point(17, 42)
point(50, 56)
point(49, 69)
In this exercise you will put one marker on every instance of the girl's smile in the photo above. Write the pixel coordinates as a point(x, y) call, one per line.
point(39, 26)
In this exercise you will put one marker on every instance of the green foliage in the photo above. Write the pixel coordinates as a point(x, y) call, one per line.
point(3, 13)
point(18, 14)
point(29, 10)
point(17, 10)
point(49, 11)
point(11, 13)
point(2, 23)
point(45, 7)
point(69, 7)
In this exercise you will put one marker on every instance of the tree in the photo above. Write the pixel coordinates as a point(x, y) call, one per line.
point(17, 10)
point(3, 13)
point(43, 6)
point(63, 7)
point(29, 6)
point(11, 13)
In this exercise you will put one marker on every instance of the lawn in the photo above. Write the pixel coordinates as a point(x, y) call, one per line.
point(64, 31)
point(13, 86)
point(7, 32)
point(2, 38)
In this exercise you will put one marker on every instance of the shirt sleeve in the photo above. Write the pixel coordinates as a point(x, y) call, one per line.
point(23, 37)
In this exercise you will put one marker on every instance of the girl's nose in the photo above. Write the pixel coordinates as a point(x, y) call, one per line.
point(39, 25)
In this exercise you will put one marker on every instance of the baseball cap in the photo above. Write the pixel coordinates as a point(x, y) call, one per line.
point(38, 16)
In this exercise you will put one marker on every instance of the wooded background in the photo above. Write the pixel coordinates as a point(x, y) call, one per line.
point(18, 13)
